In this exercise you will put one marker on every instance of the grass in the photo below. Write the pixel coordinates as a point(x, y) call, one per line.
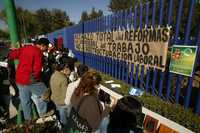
point(174, 112)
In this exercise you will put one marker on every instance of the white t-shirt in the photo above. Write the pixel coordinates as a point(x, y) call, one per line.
point(70, 90)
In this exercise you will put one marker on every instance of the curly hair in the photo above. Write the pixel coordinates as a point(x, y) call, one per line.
point(87, 83)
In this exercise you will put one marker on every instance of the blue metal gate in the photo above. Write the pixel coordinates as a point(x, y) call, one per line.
point(166, 85)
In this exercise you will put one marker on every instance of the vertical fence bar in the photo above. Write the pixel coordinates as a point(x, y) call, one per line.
point(147, 80)
point(161, 73)
point(141, 15)
point(142, 67)
point(113, 69)
point(147, 14)
point(178, 88)
point(189, 21)
point(120, 70)
point(83, 31)
point(124, 19)
point(188, 93)
point(123, 70)
point(161, 12)
point(170, 75)
point(161, 84)
point(154, 81)
point(127, 72)
point(129, 18)
point(116, 69)
point(120, 61)
point(135, 27)
point(114, 28)
point(153, 89)
point(93, 30)
point(97, 29)
point(132, 74)
point(136, 75)
point(198, 104)
point(153, 13)
point(110, 67)
point(112, 22)
point(135, 17)
point(147, 23)
point(178, 20)
point(189, 88)
point(109, 30)
point(198, 98)
point(142, 77)
point(126, 68)
point(170, 12)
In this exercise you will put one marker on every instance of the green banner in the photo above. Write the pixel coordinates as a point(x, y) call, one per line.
point(183, 59)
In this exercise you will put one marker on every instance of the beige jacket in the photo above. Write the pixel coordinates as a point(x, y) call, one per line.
point(58, 85)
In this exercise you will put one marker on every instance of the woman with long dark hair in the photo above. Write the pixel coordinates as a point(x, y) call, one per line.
point(87, 94)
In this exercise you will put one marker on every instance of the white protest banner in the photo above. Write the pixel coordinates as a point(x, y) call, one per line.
point(140, 46)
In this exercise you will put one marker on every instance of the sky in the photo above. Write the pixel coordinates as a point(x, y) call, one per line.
point(73, 8)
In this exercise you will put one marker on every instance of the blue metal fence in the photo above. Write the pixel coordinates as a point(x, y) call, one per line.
point(166, 85)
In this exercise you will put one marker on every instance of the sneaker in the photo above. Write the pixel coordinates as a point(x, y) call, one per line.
point(49, 113)
point(28, 126)
point(40, 121)
point(46, 119)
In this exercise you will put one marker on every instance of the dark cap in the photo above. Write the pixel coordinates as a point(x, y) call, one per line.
point(43, 41)
point(81, 69)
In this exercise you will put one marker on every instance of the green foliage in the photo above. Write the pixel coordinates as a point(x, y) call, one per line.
point(4, 35)
point(39, 22)
point(116, 5)
point(95, 14)
point(173, 112)
point(92, 15)
point(84, 16)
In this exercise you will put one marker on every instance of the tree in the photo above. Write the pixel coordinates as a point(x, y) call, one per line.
point(27, 23)
point(84, 16)
point(92, 15)
point(44, 20)
point(39, 22)
point(116, 5)
point(59, 19)
point(95, 14)
point(4, 35)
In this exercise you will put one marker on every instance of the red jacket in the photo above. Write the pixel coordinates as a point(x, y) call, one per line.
point(30, 64)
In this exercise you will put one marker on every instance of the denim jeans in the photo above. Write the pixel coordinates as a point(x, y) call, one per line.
point(103, 125)
point(40, 104)
point(63, 112)
point(36, 90)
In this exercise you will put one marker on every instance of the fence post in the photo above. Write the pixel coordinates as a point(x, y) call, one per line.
point(189, 88)
point(83, 42)
point(198, 100)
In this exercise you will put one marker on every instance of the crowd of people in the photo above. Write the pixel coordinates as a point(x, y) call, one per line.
point(47, 76)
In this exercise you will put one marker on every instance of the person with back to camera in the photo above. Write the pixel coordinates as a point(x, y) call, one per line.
point(86, 103)
point(28, 76)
